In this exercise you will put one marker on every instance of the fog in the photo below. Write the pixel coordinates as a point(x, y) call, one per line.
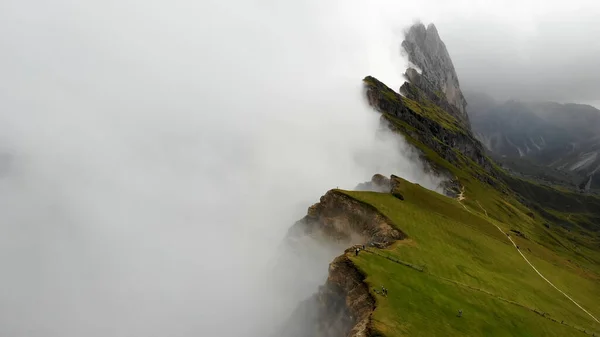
point(526, 49)
point(154, 154)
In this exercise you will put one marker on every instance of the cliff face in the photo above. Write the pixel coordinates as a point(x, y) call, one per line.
point(346, 280)
point(433, 133)
point(426, 50)
point(343, 306)
point(343, 219)
point(378, 183)
point(430, 106)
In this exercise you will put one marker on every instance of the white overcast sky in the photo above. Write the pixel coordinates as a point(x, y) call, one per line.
point(531, 49)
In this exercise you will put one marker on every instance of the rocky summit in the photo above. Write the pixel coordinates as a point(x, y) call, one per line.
point(427, 51)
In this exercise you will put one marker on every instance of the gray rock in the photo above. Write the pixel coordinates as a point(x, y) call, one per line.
point(426, 50)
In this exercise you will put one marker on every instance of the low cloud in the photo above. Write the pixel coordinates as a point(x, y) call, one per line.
point(160, 152)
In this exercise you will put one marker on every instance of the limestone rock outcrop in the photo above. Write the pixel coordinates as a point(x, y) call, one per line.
point(427, 51)
point(344, 219)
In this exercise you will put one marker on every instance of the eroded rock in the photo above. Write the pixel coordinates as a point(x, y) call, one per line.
point(378, 183)
point(341, 218)
point(343, 305)
point(427, 51)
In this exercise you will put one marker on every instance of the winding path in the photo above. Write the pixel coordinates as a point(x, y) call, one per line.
point(461, 197)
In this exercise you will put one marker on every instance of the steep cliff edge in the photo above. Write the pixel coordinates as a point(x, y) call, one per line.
point(344, 219)
point(430, 103)
point(343, 306)
point(429, 124)
point(453, 245)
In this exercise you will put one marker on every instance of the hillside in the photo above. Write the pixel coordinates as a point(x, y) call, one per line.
point(551, 142)
point(517, 258)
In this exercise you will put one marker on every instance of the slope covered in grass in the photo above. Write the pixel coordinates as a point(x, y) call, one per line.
point(469, 264)
point(560, 219)
point(457, 255)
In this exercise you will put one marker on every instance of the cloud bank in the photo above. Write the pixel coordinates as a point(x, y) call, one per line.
point(158, 152)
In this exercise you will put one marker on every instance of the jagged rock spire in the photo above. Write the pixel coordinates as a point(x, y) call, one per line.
point(428, 52)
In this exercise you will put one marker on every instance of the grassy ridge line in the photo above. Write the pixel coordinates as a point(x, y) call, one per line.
point(422, 269)
point(459, 245)
point(506, 207)
point(424, 213)
point(574, 217)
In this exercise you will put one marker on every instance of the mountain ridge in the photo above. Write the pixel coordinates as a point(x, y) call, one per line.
point(428, 52)
point(442, 254)
point(550, 141)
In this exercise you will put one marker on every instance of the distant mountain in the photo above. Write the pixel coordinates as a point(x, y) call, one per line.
point(553, 141)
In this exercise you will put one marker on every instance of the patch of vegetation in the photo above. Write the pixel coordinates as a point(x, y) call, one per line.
point(467, 264)
point(439, 94)
point(559, 199)
point(435, 113)
point(389, 94)
point(399, 124)
point(458, 259)
point(424, 107)
point(464, 168)
point(542, 174)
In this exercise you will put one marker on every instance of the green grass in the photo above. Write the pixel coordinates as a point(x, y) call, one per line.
point(456, 258)
point(424, 107)
point(398, 123)
point(470, 265)
point(389, 94)
point(502, 205)
point(433, 112)
point(419, 304)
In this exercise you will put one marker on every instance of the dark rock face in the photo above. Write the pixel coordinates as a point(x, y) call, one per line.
point(431, 93)
point(396, 185)
point(452, 188)
point(431, 104)
point(442, 140)
point(427, 51)
point(343, 306)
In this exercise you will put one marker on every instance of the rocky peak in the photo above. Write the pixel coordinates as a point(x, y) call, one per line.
point(427, 51)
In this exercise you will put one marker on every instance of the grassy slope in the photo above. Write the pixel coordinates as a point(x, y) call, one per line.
point(580, 245)
point(469, 265)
